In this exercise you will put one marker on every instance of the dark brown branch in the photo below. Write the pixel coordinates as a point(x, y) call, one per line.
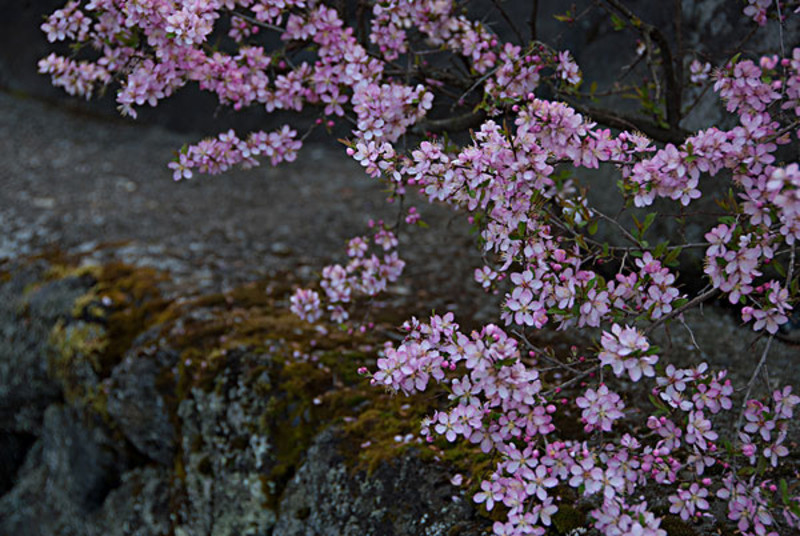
point(532, 20)
point(459, 123)
point(674, 134)
point(678, 22)
point(509, 21)
point(648, 31)
point(700, 298)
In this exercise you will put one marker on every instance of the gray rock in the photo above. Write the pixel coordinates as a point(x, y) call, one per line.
point(404, 497)
point(227, 455)
point(65, 478)
point(140, 506)
point(27, 316)
point(139, 410)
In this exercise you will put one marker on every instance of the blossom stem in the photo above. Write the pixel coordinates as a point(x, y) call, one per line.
point(700, 298)
point(753, 380)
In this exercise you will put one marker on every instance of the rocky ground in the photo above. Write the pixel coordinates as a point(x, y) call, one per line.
point(151, 380)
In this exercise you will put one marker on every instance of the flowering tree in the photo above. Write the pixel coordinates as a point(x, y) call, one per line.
point(403, 72)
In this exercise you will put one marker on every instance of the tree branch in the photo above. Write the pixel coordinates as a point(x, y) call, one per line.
point(458, 123)
point(532, 19)
point(648, 31)
point(674, 134)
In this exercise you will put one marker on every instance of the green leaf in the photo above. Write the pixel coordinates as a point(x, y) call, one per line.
point(784, 491)
point(658, 403)
point(638, 225)
point(648, 221)
point(680, 302)
point(761, 465)
point(746, 471)
point(617, 22)
point(671, 259)
point(661, 248)
point(593, 227)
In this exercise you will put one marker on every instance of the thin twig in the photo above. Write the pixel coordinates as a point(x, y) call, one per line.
point(780, 28)
point(619, 226)
point(509, 20)
point(673, 134)
point(478, 82)
point(700, 298)
point(753, 380)
point(253, 20)
point(541, 353)
point(571, 381)
point(691, 333)
point(652, 34)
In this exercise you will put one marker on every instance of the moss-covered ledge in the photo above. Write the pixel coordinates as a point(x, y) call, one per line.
point(213, 414)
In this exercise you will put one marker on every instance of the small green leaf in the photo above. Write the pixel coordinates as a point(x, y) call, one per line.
point(593, 227)
point(648, 221)
point(784, 491)
point(746, 471)
point(672, 257)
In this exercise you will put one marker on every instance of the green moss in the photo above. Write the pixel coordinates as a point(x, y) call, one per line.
point(304, 394)
point(76, 346)
point(121, 303)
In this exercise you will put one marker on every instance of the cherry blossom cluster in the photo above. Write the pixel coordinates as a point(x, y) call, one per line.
point(440, 23)
point(79, 78)
point(497, 402)
point(68, 22)
point(366, 274)
point(217, 155)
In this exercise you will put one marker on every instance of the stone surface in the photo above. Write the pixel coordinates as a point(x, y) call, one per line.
point(139, 409)
point(401, 497)
point(28, 310)
point(64, 480)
